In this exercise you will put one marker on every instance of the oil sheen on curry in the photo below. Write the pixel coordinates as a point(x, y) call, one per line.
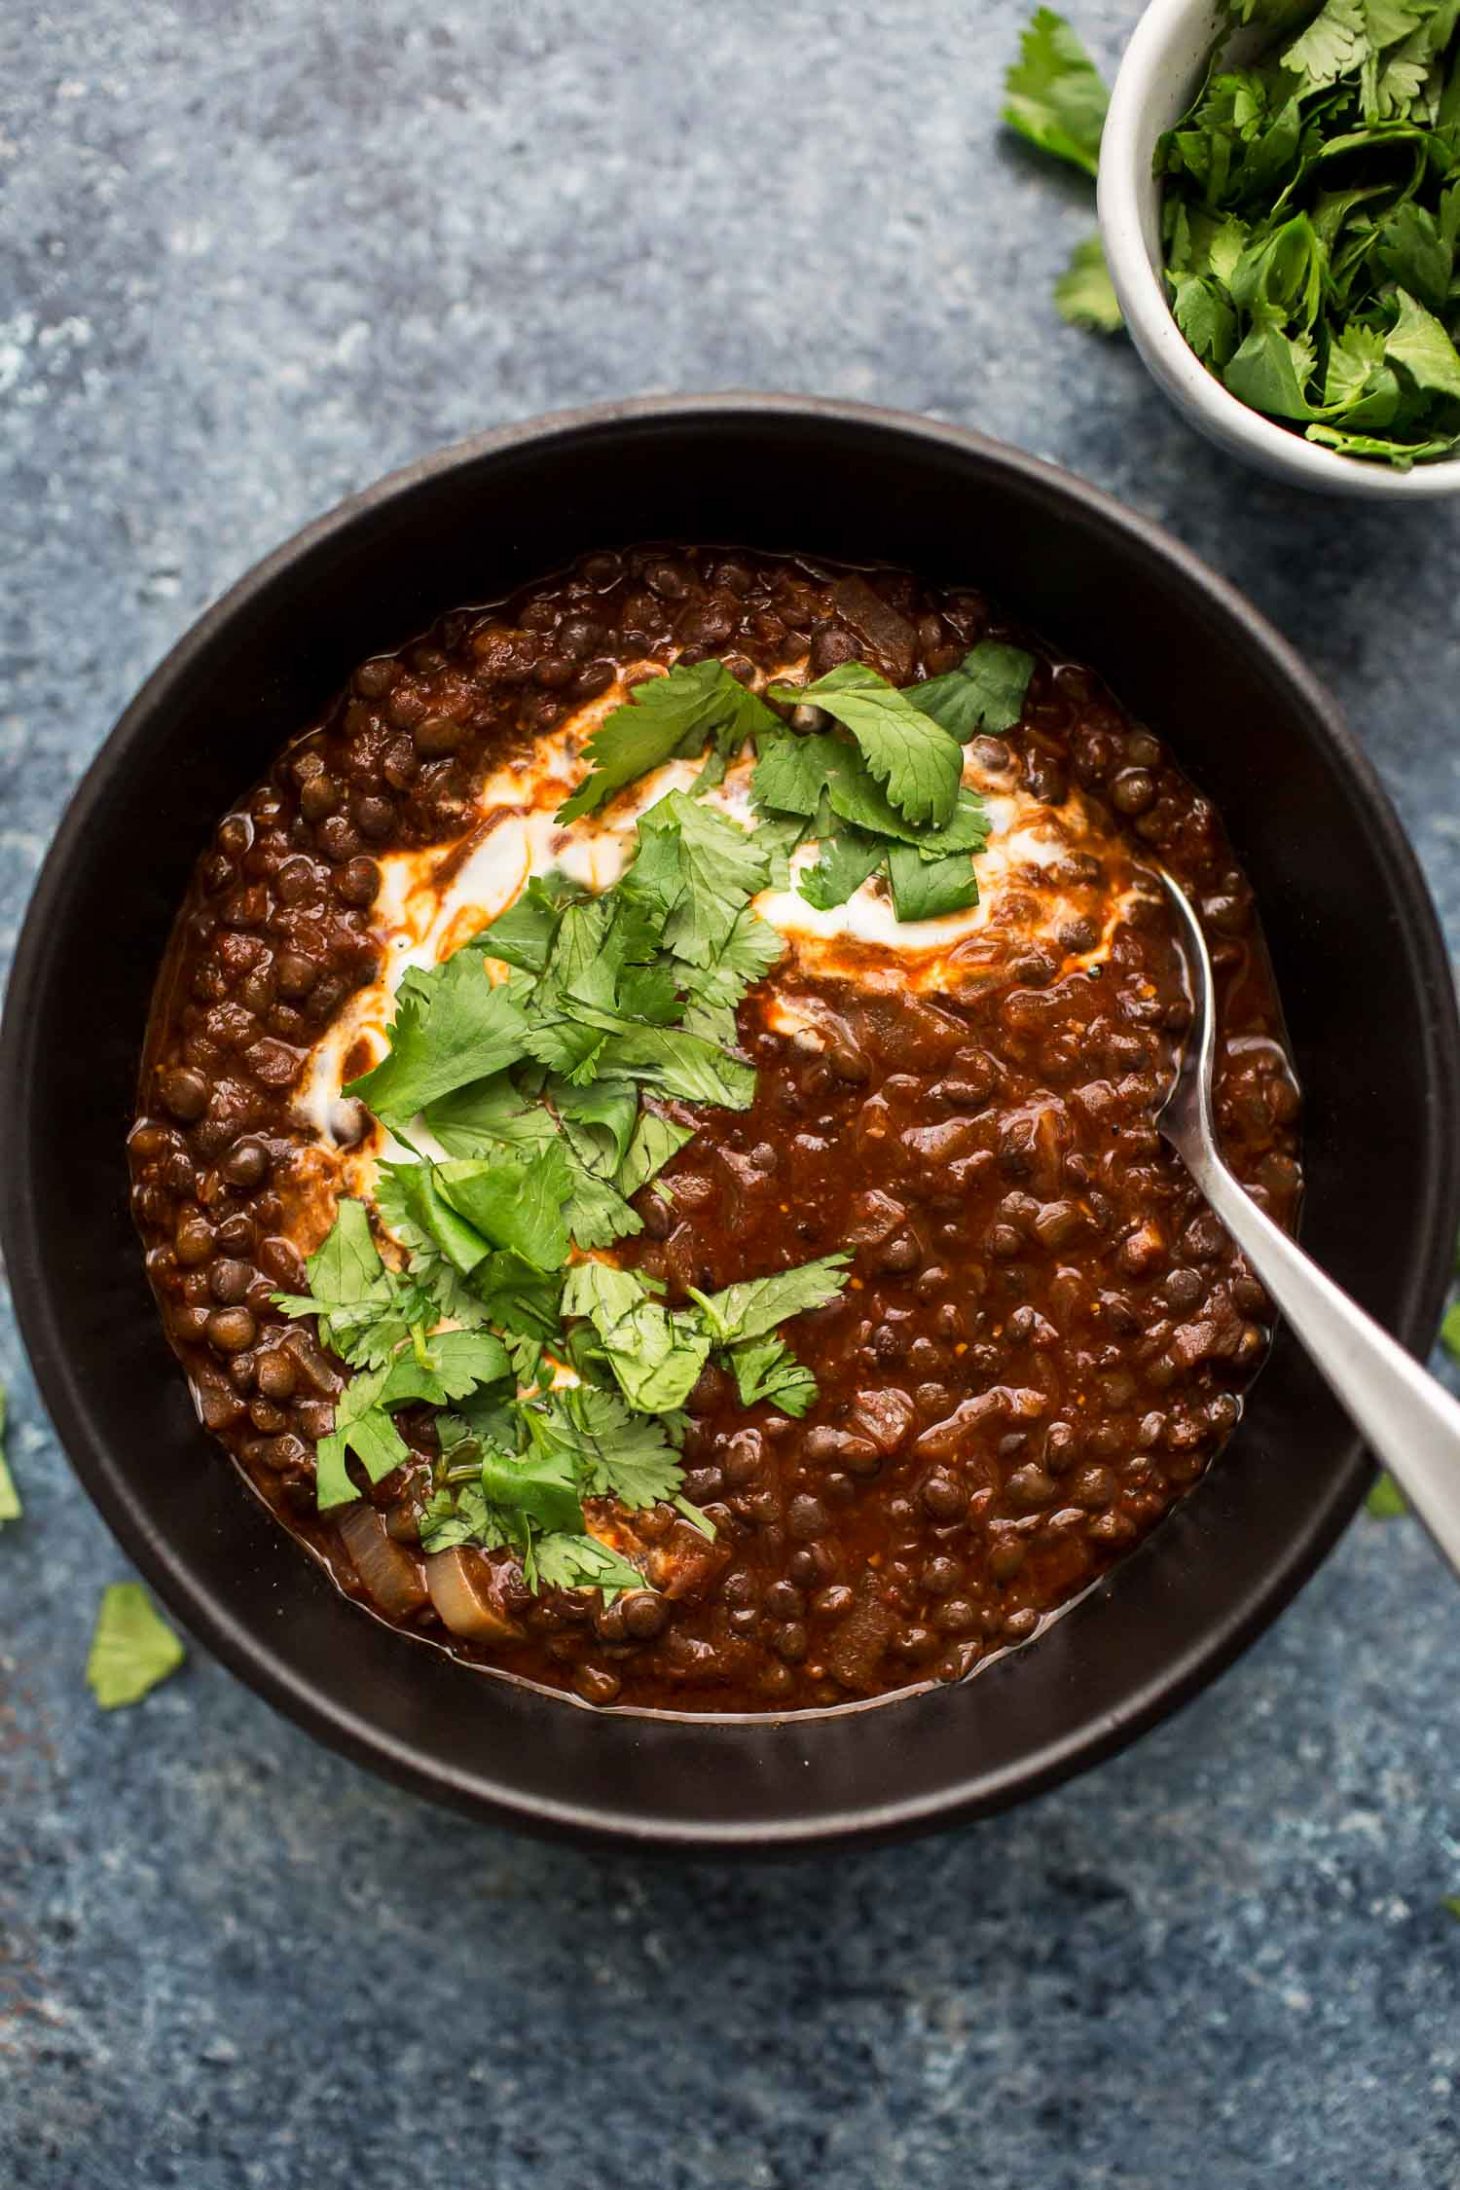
point(646, 1150)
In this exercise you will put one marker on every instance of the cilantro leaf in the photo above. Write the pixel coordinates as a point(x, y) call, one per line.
point(1085, 294)
point(678, 1063)
point(596, 1212)
point(654, 1354)
point(364, 1309)
point(10, 1507)
point(929, 889)
point(582, 1562)
point(1055, 96)
point(517, 1298)
point(623, 1455)
point(720, 868)
point(362, 1427)
point(800, 771)
point(745, 954)
point(452, 1026)
point(1335, 41)
point(917, 761)
point(447, 1366)
point(486, 1115)
point(845, 860)
point(662, 718)
point(348, 1288)
point(765, 1369)
point(539, 1485)
point(754, 1308)
point(1267, 372)
point(1422, 349)
point(1205, 316)
point(410, 1200)
point(132, 1648)
point(652, 1144)
point(522, 936)
point(985, 692)
point(514, 1199)
point(598, 1120)
point(1416, 255)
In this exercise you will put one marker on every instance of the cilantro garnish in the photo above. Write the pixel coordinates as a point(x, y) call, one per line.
point(984, 693)
point(533, 1063)
point(819, 776)
point(452, 1025)
point(1310, 216)
point(914, 758)
point(661, 719)
point(132, 1648)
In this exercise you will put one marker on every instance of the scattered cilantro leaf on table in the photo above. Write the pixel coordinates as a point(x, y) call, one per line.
point(1386, 1501)
point(10, 1507)
point(132, 1648)
point(1056, 99)
point(1085, 294)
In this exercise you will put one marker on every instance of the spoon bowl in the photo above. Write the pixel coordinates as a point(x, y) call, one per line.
point(1408, 1418)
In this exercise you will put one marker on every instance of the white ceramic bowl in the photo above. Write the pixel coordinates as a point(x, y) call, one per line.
point(1158, 78)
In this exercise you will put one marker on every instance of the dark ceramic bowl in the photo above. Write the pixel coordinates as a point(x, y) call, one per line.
point(1359, 960)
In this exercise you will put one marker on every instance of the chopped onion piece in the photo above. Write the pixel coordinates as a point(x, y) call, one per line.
point(389, 1573)
point(464, 1591)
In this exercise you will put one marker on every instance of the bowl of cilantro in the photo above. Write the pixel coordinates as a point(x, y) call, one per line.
point(1279, 193)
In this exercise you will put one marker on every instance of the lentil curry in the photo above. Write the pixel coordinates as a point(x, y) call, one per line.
point(653, 1178)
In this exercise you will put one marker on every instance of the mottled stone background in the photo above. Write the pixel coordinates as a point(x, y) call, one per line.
point(255, 253)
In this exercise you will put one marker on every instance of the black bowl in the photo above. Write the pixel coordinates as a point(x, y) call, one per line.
point(1360, 964)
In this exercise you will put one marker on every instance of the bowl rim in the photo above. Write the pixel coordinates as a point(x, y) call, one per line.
point(348, 1727)
point(1127, 192)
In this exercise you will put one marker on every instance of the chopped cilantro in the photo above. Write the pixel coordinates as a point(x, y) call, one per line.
point(553, 1379)
point(985, 692)
point(652, 1143)
point(913, 757)
point(929, 889)
point(452, 1026)
point(514, 1200)
point(845, 860)
point(132, 1648)
point(664, 717)
point(1309, 219)
point(819, 775)
point(753, 1309)
point(766, 1369)
point(583, 1562)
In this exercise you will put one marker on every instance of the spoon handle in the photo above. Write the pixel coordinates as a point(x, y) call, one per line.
point(1408, 1419)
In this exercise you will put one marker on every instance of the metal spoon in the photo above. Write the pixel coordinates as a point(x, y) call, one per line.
point(1408, 1419)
